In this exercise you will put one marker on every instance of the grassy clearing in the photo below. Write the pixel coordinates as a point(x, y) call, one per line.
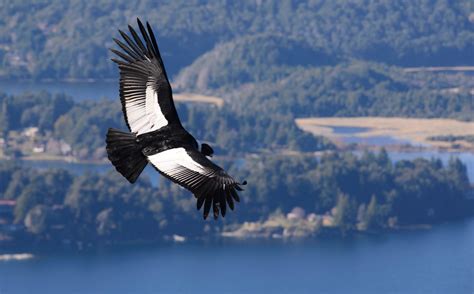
point(413, 129)
point(190, 97)
point(439, 68)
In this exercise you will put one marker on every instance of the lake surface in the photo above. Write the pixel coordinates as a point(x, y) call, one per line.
point(376, 141)
point(440, 260)
point(77, 90)
point(81, 168)
point(350, 135)
point(343, 130)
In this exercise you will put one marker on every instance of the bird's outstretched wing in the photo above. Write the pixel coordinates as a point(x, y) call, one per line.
point(189, 168)
point(145, 91)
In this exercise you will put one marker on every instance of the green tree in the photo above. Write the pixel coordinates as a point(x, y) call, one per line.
point(344, 213)
point(371, 216)
point(36, 220)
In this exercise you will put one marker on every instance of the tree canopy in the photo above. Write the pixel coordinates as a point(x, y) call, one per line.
point(69, 39)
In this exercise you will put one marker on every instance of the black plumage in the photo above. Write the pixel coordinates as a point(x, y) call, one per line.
point(156, 135)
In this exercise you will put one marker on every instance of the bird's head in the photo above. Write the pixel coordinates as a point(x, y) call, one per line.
point(207, 150)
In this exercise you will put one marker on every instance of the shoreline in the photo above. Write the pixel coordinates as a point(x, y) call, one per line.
point(341, 147)
point(68, 80)
point(56, 158)
point(411, 133)
point(64, 159)
point(334, 233)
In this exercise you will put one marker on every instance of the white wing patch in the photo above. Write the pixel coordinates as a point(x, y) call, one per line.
point(143, 110)
point(172, 161)
point(153, 110)
point(134, 110)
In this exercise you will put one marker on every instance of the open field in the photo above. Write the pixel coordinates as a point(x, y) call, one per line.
point(190, 97)
point(439, 68)
point(415, 130)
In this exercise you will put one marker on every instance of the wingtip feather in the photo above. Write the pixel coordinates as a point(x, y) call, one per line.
point(215, 208)
point(200, 202)
point(207, 207)
point(222, 204)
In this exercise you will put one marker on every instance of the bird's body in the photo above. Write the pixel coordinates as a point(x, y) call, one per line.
point(156, 135)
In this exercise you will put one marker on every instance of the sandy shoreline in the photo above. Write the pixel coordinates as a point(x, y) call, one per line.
point(415, 130)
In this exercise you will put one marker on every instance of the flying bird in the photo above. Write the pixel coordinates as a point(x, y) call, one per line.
point(156, 134)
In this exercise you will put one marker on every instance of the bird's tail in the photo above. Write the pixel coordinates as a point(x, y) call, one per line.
point(125, 154)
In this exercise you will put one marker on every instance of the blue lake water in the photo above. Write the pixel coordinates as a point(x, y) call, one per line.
point(440, 260)
point(77, 90)
point(344, 130)
point(376, 140)
point(75, 168)
point(81, 168)
point(349, 134)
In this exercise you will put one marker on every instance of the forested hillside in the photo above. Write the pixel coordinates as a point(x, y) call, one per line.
point(83, 125)
point(69, 39)
point(352, 88)
point(271, 62)
point(366, 193)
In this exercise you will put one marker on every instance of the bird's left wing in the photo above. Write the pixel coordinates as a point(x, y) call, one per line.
point(145, 91)
point(189, 168)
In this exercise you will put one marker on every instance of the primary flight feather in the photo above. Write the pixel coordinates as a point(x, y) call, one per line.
point(156, 135)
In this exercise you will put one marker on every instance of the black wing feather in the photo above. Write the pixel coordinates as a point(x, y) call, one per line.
point(121, 55)
point(157, 50)
point(207, 206)
point(222, 203)
point(230, 201)
point(137, 39)
point(129, 51)
point(132, 45)
point(141, 69)
point(200, 202)
point(145, 36)
point(212, 187)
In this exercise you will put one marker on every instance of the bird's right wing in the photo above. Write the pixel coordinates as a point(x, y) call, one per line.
point(145, 91)
point(189, 168)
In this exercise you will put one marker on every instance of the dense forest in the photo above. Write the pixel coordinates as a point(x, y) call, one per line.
point(260, 118)
point(271, 62)
point(83, 125)
point(356, 88)
point(69, 39)
point(283, 58)
point(363, 193)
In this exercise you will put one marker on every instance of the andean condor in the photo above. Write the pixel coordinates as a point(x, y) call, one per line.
point(156, 134)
